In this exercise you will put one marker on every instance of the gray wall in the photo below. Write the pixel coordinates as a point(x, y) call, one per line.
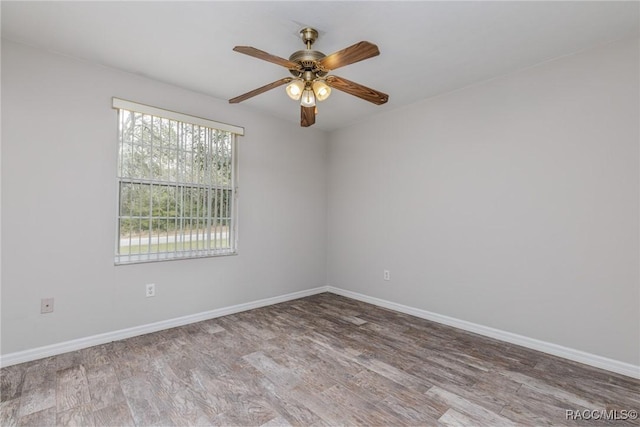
point(59, 195)
point(512, 204)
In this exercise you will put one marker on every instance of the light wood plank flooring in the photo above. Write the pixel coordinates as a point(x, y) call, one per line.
point(321, 360)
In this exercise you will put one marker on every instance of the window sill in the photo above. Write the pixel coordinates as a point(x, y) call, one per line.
point(146, 258)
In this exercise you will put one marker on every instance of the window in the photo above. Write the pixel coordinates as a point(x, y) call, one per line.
point(177, 185)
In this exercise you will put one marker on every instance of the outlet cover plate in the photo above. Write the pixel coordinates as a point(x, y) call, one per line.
point(150, 290)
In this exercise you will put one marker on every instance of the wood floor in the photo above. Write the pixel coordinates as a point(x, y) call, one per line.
point(321, 360)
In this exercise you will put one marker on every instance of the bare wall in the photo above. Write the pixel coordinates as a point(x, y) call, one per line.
point(59, 195)
point(512, 204)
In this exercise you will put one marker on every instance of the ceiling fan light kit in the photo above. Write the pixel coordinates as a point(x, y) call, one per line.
point(310, 69)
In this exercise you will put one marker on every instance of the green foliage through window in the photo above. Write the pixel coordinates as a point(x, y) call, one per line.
point(176, 189)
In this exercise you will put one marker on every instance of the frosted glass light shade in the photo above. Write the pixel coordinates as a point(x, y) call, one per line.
point(294, 89)
point(321, 90)
point(308, 98)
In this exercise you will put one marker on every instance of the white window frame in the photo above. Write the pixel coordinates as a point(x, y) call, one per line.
point(235, 131)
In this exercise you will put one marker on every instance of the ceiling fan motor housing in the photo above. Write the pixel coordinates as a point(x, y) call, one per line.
point(307, 59)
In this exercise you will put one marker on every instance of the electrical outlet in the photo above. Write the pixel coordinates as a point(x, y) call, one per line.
point(46, 305)
point(386, 274)
point(151, 290)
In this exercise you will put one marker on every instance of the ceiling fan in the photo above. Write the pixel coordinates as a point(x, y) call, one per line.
point(310, 69)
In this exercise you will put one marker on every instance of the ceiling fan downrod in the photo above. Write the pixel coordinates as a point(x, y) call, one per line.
point(309, 36)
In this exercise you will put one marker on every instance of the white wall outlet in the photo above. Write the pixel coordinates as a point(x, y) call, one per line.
point(46, 305)
point(386, 274)
point(150, 290)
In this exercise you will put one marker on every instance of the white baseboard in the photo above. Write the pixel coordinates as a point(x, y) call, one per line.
point(543, 346)
point(80, 343)
point(532, 343)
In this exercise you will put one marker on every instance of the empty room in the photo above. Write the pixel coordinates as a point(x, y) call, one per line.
point(363, 213)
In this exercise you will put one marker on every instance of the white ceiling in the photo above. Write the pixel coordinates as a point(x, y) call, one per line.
point(427, 48)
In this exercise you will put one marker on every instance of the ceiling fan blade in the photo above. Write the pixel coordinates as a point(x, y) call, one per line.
point(260, 90)
point(260, 54)
point(348, 55)
point(307, 116)
point(357, 89)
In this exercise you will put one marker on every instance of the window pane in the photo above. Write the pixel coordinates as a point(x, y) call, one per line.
point(175, 189)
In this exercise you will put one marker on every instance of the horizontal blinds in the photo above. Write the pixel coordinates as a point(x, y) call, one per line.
point(173, 115)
